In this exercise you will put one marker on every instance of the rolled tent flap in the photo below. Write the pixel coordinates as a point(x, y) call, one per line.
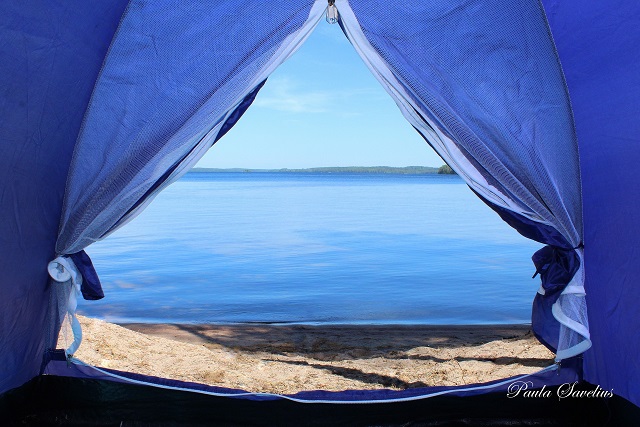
point(556, 267)
point(481, 82)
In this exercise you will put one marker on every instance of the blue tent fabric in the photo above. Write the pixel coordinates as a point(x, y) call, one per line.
point(499, 95)
point(556, 264)
point(228, 124)
point(171, 80)
point(494, 105)
point(530, 229)
point(50, 56)
point(568, 374)
point(91, 287)
point(556, 267)
point(104, 103)
point(598, 44)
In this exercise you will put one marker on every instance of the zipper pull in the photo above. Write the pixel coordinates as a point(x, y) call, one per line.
point(332, 12)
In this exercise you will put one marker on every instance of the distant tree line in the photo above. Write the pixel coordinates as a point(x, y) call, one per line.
point(412, 170)
point(446, 170)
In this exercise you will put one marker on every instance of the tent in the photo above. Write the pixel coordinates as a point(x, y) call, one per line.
point(534, 104)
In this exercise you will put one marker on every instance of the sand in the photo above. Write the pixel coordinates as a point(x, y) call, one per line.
point(288, 359)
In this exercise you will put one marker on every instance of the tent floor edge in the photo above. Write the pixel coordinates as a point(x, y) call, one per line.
point(53, 400)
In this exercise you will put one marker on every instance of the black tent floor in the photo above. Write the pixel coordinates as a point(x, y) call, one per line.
point(51, 400)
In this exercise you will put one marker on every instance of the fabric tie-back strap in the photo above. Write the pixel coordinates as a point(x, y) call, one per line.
point(561, 296)
point(64, 271)
point(78, 271)
point(91, 287)
point(556, 267)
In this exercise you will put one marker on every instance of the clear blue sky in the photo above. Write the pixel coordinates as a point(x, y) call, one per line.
point(322, 107)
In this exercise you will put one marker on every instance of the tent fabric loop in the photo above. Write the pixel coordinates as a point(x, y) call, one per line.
point(556, 266)
point(91, 287)
point(63, 270)
point(562, 289)
point(570, 310)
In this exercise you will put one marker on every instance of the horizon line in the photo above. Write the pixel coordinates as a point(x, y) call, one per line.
point(317, 167)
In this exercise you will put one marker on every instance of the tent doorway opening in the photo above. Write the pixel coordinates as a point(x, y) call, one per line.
point(316, 280)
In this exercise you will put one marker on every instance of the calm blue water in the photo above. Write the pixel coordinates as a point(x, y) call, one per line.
point(315, 248)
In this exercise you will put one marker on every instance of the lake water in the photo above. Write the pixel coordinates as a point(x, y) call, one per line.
point(315, 248)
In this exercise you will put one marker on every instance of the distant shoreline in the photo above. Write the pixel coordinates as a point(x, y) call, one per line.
point(407, 170)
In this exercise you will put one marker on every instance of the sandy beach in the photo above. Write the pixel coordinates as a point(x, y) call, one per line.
point(288, 359)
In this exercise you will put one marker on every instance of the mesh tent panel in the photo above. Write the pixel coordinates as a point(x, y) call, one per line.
point(488, 73)
point(481, 81)
point(174, 72)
